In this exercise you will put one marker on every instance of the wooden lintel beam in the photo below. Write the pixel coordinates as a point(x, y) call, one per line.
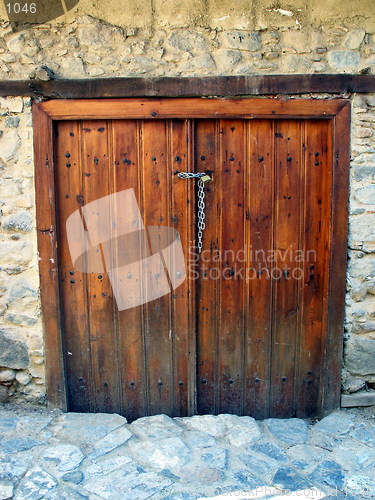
point(189, 87)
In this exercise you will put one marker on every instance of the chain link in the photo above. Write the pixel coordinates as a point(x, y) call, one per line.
point(201, 204)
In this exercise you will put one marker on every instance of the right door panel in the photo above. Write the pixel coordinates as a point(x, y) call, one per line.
point(263, 271)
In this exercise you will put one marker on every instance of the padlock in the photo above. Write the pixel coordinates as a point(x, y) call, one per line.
point(206, 178)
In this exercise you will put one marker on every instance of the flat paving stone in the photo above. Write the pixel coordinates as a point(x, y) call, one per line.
point(306, 452)
point(67, 457)
point(200, 475)
point(108, 465)
point(74, 477)
point(85, 428)
point(365, 435)
point(353, 455)
point(50, 455)
point(244, 479)
point(6, 490)
point(212, 424)
point(242, 430)
point(290, 479)
point(34, 424)
point(12, 468)
point(18, 444)
point(65, 493)
point(8, 423)
point(270, 450)
point(35, 485)
point(360, 485)
point(198, 439)
point(261, 466)
point(290, 431)
point(165, 453)
point(328, 473)
point(217, 458)
point(336, 424)
point(155, 427)
point(112, 440)
point(130, 482)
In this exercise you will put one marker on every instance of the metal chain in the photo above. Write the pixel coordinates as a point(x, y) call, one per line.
point(201, 214)
point(201, 205)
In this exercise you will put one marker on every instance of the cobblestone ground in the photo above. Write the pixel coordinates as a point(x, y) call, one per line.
point(74, 456)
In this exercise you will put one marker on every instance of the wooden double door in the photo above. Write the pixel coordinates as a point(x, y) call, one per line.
point(246, 330)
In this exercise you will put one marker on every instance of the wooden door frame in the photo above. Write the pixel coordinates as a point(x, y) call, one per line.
point(47, 112)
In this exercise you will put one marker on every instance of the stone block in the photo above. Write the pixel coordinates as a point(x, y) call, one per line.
point(354, 38)
point(361, 227)
point(9, 145)
point(366, 194)
point(16, 252)
point(343, 60)
point(188, 41)
point(7, 375)
point(360, 355)
point(13, 350)
point(11, 104)
point(361, 398)
point(20, 319)
point(243, 40)
point(225, 58)
point(203, 62)
point(3, 394)
point(21, 221)
point(20, 289)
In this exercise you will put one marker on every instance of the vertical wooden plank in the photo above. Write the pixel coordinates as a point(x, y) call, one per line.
point(287, 222)
point(230, 270)
point(131, 346)
point(183, 310)
point(156, 179)
point(315, 248)
point(206, 159)
point(73, 282)
point(338, 260)
point(47, 248)
point(259, 246)
point(97, 176)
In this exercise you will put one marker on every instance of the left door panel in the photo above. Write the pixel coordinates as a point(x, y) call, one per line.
point(134, 360)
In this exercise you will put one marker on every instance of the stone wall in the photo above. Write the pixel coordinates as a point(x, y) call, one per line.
point(200, 41)
point(21, 340)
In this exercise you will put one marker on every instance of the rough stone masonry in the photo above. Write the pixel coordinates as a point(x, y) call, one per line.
point(171, 38)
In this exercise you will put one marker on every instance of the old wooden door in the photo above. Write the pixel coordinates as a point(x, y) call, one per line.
point(245, 330)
